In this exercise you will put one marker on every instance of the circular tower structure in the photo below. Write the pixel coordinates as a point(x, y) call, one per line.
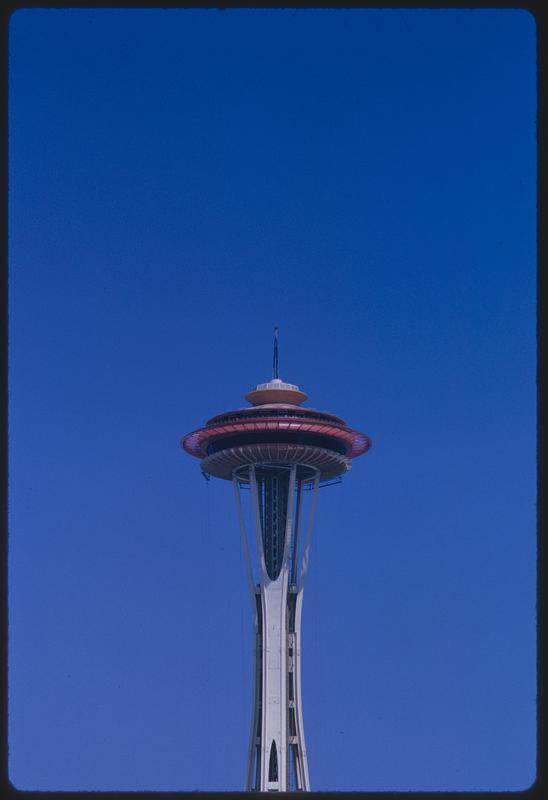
point(277, 449)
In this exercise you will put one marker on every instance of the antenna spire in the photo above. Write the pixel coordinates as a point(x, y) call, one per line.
point(275, 366)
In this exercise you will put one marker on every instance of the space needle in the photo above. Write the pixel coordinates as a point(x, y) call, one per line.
point(277, 454)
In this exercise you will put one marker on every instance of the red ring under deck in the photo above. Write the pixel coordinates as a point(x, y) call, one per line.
point(196, 443)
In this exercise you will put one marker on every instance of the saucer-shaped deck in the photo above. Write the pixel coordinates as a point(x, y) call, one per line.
point(275, 431)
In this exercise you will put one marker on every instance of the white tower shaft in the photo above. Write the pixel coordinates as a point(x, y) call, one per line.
point(277, 754)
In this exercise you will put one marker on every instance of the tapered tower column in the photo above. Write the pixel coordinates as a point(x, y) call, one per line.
point(277, 752)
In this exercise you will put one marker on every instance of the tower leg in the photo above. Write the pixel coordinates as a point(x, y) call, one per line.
point(277, 755)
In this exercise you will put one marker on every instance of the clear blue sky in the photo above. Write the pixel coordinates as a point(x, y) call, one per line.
point(180, 182)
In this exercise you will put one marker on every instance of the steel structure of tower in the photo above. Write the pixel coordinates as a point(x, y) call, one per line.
point(276, 449)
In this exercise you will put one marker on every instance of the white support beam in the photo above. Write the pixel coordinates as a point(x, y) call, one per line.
point(277, 754)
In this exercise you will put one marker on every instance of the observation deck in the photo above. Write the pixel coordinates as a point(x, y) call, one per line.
point(276, 430)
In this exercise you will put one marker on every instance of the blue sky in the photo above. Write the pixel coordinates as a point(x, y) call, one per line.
point(180, 182)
